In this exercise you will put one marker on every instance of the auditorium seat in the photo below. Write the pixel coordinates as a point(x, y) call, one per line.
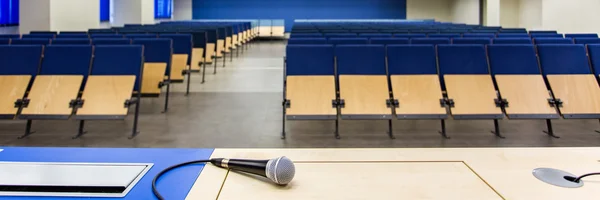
point(182, 50)
point(388, 41)
point(28, 41)
point(594, 55)
point(512, 41)
point(415, 83)
point(542, 40)
point(513, 35)
point(363, 84)
point(111, 41)
point(115, 75)
point(374, 35)
point(93, 36)
point(340, 35)
point(4, 41)
point(310, 84)
point(546, 35)
point(444, 35)
point(18, 67)
point(542, 31)
point(73, 33)
point(135, 36)
point(587, 40)
point(55, 90)
point(581, 35)
point(157, 62)
point(573, 84)
point(434, 41)
point(306, 35)
point(488, 35)
point(468, 83)
point(83, 41)
point(520, 82)
point(338, 41)
point(62, 35)
point(44, 36)
point(12, 36)
point(307, 41)
point(410, 35)
point(484, 41)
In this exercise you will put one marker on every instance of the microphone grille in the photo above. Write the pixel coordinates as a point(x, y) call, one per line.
point(281, 170)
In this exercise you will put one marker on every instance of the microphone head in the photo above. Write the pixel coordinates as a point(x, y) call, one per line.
point(281, 170)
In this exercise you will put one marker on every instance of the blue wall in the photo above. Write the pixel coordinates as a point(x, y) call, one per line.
point(299, 9)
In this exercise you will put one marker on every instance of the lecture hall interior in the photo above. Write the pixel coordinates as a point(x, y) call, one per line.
point(299, 99)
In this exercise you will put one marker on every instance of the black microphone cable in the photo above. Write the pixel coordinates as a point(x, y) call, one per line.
point(577, 179)
point(155, 191)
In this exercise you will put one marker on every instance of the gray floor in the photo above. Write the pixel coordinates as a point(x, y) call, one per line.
point(240, 107)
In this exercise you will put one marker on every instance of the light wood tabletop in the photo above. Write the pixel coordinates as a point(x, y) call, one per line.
point(12, 88)
point(154, 73)
point(178, 65)
point(405, 173)
point(364, 95)
point(220, 47)
point(106, 95)
point(227, 44)
point(472, 94)
point(417, 94)
point(210, 51)
point(310, 95)
point(197, 57)
point(51, 94)
point(526, 94)
point(580, 94)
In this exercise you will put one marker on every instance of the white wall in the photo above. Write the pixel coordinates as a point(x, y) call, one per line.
point(182, 9)
point(509, 13)
point(530, 14)
point(429, 9)
point(492, 13)
point(34, 15)
point(465, 11)
point(575, 16)
point(147, 7)
point(74, 15)
point(127, 12)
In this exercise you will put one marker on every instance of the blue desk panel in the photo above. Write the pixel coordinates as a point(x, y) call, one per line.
point(173, 185)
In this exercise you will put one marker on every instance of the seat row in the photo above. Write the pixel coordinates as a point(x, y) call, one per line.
point(63, 82)
point(448, 35)
point(443, 41)
point(325, 82)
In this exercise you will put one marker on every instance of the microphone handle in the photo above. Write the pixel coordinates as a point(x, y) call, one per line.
point(257, 167)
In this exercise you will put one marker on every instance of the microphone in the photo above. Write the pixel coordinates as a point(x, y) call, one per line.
point(279, 170)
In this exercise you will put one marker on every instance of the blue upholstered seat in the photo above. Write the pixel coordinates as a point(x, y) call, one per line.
point(462, 59)
point(4, 41)
point(360, 59)
point(182, 43)
point(471, 41)
point(71, 41)
point(134, 36)
point(67, 60)
point(13, 36)
point(444, 35)
point(410, 35)
point(118, 60)
point(541, 40)
point(513, 35)
point(309, 60)
point(93, 36)
point(20, 60)
point(337, 41)
point(111, 41)
point(540, 31)
point(587, 40)
point(375, 35)
point(307, 41)
point(594, 55)
point(411, 59)
point(63, 35)
point(45, 36)
point(340, 35)
point(513, 41)
point(488, 35)
point(27, 41)
point(513, 59)
point(581, 35)
point(388, 41)
point(434, 41)
point(563, 59)
point(157, 50)
point(306, 35)
point(546, 35)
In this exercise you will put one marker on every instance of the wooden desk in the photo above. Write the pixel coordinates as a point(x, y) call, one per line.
point(210, 51)
point(419, 96)
point(12, 88)
point(197, 58)
point(220, 47)
point(406, 173)
point(178, 65)
point(365, 97)
point(310, 97)
point(473, 96)
point(580, 95)
point(104, 97)
point(50, 96)
point(527, 96)
point(154, 73)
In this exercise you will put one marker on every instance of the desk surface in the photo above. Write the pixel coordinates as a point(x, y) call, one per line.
point(473, 173)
